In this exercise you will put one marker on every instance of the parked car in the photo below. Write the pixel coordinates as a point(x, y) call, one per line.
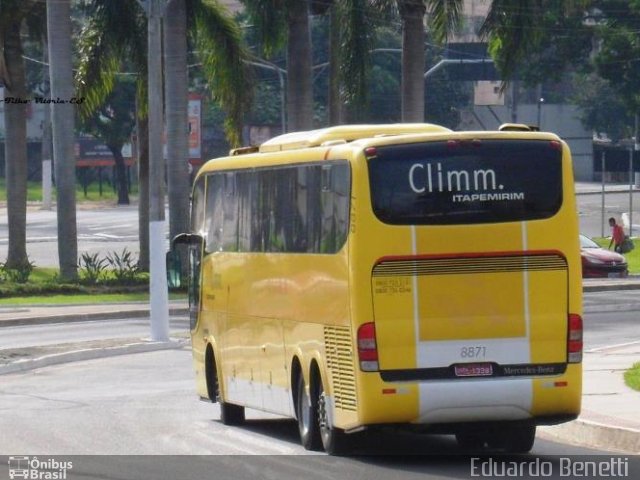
point(598, 262)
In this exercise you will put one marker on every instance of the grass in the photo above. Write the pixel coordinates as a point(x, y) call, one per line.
point(632, 376)
point(79, 299)
point(34, 192)
point(45, 288)
point(633, 257)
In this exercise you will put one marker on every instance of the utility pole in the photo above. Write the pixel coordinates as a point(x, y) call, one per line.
point(604, 157)
point(159, 294)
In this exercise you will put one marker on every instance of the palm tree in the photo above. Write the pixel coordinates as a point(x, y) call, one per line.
point(62, 119)
point(443, 16)
point(14, 14)
point(102, 55)
point(281, 22)
point(176, 100)
point(217, 38)
point(218, 42)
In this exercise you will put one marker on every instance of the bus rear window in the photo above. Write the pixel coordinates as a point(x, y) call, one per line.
point(484, 181)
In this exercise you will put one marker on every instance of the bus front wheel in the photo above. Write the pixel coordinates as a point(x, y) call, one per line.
point(231, 414)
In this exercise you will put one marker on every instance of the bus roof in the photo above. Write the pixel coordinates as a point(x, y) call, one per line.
point(344, 134)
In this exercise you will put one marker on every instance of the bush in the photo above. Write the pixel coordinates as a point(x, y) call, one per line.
point(124, 266)
point(19, 274)
point(91, 267)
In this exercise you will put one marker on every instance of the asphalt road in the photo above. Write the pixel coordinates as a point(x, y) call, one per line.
point(55, 334)
point(100, 230)
point(145, 404)
point(611, 318)
point(590, 212)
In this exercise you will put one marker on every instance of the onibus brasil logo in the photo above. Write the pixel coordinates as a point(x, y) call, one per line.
point(32, 468)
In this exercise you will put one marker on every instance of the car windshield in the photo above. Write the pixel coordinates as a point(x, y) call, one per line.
point(586, 242)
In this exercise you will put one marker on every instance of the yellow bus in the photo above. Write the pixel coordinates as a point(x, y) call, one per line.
point(364, 276)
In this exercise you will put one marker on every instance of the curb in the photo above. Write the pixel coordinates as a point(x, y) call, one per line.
point(87, 317)
point(610, 287)
point(607, 192)
point(592, 434)
point(89, 354)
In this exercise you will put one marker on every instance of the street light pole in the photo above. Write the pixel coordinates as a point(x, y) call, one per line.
point(158, 294)
point(540, 102)
point(604, 156)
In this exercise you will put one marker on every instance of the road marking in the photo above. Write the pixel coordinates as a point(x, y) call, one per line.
point(612, 347)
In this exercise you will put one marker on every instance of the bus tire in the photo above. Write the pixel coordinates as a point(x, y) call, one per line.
point(334, 440)
point(307, 413)
point(520, 439)
point(513, 438)
point(231, 414)
point(470, 440)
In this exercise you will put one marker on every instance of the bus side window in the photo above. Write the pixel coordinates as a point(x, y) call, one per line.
point(335, 207)
point(197, 207)
point(214, 216)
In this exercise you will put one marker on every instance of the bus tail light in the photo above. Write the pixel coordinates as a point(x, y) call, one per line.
point(574, 339)
point(367, 348)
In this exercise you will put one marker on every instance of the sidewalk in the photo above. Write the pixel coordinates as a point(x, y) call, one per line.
point(609, 417)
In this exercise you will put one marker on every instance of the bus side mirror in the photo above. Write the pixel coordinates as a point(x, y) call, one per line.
point(174, 269)
point(173, 258)
point(186, 239)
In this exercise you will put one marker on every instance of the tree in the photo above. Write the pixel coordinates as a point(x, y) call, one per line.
point(176, 98)
point(114, 37)
point(617, 58)
point(62, 121)
point(113, 123)
point(528, 39)
point(443, 17)
point(14, 14)
point(603, 110)
point(286, 23)
point(217, 39)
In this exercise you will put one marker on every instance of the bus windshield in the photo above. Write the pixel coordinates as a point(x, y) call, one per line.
point(466, 182)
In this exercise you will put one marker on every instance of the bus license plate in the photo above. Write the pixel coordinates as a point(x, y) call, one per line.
point(474, 370)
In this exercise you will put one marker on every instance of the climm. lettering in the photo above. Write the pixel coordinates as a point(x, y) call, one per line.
point(437, 179)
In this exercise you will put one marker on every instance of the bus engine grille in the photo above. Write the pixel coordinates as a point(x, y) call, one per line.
point(437, 265)
point(339, 351)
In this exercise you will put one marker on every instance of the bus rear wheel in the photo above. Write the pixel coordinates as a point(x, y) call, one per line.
point(470, 440)
point(513, 438)
point(520, 439)
point(307, 413)
point(334, 440)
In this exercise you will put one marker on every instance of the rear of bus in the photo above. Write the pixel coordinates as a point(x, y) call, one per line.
point(467, 302)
